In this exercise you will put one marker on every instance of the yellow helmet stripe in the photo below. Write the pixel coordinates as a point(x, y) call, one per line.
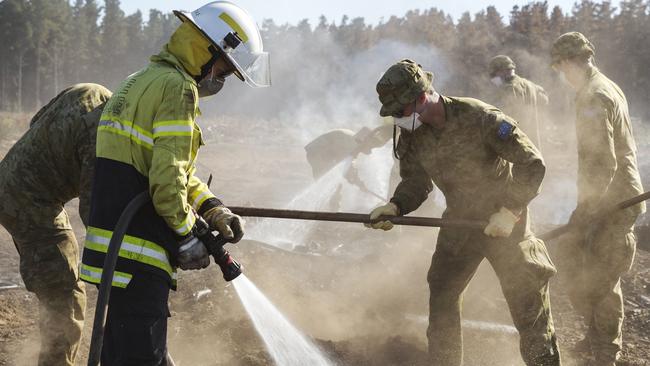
point(233, 24)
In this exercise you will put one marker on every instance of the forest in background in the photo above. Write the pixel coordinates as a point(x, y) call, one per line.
point(50, 44)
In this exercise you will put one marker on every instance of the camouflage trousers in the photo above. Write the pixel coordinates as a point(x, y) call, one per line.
point(523, 269)
point(591, 264)
point(48, 266)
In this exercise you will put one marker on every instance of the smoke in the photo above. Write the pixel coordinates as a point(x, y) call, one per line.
point(255, 139)
point(320, 87)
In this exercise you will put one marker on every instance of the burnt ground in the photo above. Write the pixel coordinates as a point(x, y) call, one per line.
point(364, 309)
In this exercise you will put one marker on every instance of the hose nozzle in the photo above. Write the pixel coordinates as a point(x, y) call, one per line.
point(230, 268)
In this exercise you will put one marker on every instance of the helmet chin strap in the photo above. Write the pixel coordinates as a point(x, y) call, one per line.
point(210, 84)
point(207, 68)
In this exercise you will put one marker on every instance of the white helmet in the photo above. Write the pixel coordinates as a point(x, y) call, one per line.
point(234, 31)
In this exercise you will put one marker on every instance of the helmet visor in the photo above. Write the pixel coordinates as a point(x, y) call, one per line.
point(254, 67)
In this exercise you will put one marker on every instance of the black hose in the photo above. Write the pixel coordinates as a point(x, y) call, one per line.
point(107, 275)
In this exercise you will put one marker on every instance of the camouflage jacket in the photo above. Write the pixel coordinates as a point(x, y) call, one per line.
point(53, 161)
point(607, 164)
point(330, 148)
point(521, 99)
point(479, 159)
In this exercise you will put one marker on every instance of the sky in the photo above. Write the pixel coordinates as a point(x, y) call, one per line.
point(292, 11)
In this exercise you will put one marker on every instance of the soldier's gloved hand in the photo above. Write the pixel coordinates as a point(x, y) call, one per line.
point(389, 209)
point(229, 225)
point(192, 254)
point(501, 224)
point(583, 215)
point(352, 175)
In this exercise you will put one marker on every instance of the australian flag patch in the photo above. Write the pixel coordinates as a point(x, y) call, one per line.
point(505, 130)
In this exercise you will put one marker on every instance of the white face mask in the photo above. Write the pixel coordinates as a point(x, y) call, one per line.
point(496, 80)
point(407, 122)
point(563, 78)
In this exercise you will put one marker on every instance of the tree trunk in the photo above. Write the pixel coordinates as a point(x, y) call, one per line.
point(38, 75)
point(3, 91)
point(56, 71)
point(19, 90)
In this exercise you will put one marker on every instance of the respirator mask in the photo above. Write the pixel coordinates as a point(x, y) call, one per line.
point(210, 85)
point(410, 123)
point(497, 81)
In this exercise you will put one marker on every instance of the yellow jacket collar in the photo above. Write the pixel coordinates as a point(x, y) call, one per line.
point(186, 48)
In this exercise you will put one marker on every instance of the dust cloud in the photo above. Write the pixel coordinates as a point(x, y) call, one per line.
point(356, 290)
point(359, 293)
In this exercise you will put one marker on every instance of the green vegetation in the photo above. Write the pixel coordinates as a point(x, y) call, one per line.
point(48, 44)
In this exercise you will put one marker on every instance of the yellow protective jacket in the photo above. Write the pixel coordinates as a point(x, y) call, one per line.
point(148, 140)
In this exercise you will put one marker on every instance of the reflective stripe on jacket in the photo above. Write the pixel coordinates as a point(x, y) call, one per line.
point(147, 140)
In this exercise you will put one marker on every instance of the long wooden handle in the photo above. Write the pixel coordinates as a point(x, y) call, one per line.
point(355, 217)
point(620, 206)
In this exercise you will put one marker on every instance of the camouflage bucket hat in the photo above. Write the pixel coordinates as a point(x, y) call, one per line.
point(570, 45)
point(400, 85)
point(499, 63)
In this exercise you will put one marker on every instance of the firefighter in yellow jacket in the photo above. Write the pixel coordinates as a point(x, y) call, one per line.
point(148, 140)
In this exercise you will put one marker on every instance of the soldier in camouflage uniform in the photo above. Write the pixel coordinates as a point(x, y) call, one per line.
point(51, 164)
point(518, 97)
point(333, 147)
point(488, 169)
point(596, 255)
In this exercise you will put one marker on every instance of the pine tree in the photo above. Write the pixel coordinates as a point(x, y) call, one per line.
point(113, 43)
point(16, 36)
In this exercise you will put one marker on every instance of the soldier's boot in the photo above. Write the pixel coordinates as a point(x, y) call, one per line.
point(531, 314)
point(607, 297)
point(61, 322)
point(581, 351)
point(603, 363)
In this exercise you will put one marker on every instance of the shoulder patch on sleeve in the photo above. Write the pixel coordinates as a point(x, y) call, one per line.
point(504, 131)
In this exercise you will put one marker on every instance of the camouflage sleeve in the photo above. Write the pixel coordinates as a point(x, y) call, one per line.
point(510, 99)
point(542, 97)
point(383, 133)
point(416, 184)
point(596, 150)
point(511, 144)
point(86, 155)
point(87, 158)
point(378, 137)
point(45, 108)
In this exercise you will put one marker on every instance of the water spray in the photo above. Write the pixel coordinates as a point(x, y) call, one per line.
point(286, 344)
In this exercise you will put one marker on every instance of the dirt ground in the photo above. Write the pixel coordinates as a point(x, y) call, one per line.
point(369, 308)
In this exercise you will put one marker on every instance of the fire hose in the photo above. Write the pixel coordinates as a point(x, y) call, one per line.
point(214, 243)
